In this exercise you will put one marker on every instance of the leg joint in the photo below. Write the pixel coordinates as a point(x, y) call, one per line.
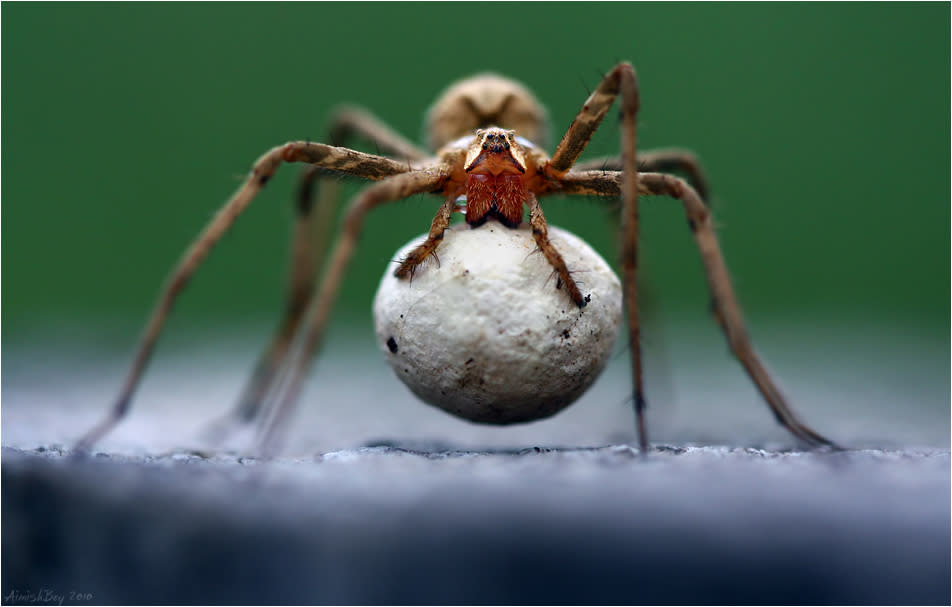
point(628, 86)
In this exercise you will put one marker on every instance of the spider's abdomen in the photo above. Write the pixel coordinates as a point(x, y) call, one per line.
point(485, 100)
point(499, 196)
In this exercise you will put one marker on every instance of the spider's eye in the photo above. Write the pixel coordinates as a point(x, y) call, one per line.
point(506, 145)
point(485, 145)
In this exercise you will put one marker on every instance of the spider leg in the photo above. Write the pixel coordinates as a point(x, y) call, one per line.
point(540, 233)
point(671, 160)
point(310, 232)
point(349, 121)
point(313, 217)
point(428, 247)
point(339, 159)
point(726, 308)
point(593, 111)
point(620, 81)
point(289, 385)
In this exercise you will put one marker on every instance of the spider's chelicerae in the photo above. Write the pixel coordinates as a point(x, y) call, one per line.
point(488, 132)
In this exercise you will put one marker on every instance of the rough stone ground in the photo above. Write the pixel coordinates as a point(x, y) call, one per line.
point(382, 500)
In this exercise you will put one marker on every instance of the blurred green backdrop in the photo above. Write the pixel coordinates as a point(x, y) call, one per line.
point(824, 128)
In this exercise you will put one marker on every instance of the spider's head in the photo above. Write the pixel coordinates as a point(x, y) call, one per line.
point(483, 101)
point(495, 151)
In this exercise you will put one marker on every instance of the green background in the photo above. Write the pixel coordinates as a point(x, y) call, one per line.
point(824, 129)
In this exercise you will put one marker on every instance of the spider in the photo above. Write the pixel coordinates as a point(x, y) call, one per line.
point(488, 132)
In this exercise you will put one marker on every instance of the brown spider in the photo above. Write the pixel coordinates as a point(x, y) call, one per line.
point(483, 128)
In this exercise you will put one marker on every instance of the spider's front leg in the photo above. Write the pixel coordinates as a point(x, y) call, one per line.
point(359, 164)
point(621, 81)
point(315, 205)
point(429, 180)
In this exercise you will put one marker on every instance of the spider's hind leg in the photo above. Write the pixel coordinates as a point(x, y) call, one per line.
point(286, 389)
point(726, 308)
point(314, 215)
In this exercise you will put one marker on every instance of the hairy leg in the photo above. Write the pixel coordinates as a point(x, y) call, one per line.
point(428, 247)
point(289, 386)
point(313, 217)
point(673, 160)
point(540, 232)
point(350, 121)
point(348, 161)
point(588, 119)
point(726, 308)
point(621, 81)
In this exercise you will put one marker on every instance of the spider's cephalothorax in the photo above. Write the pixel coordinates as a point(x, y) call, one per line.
point(490, 133)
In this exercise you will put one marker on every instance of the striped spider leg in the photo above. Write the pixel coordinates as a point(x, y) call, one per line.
point(318, 193)
point(396, 180)
point(627, 183)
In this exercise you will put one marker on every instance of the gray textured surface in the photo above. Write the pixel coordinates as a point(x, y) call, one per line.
point(441, 511)
point(387, 525)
